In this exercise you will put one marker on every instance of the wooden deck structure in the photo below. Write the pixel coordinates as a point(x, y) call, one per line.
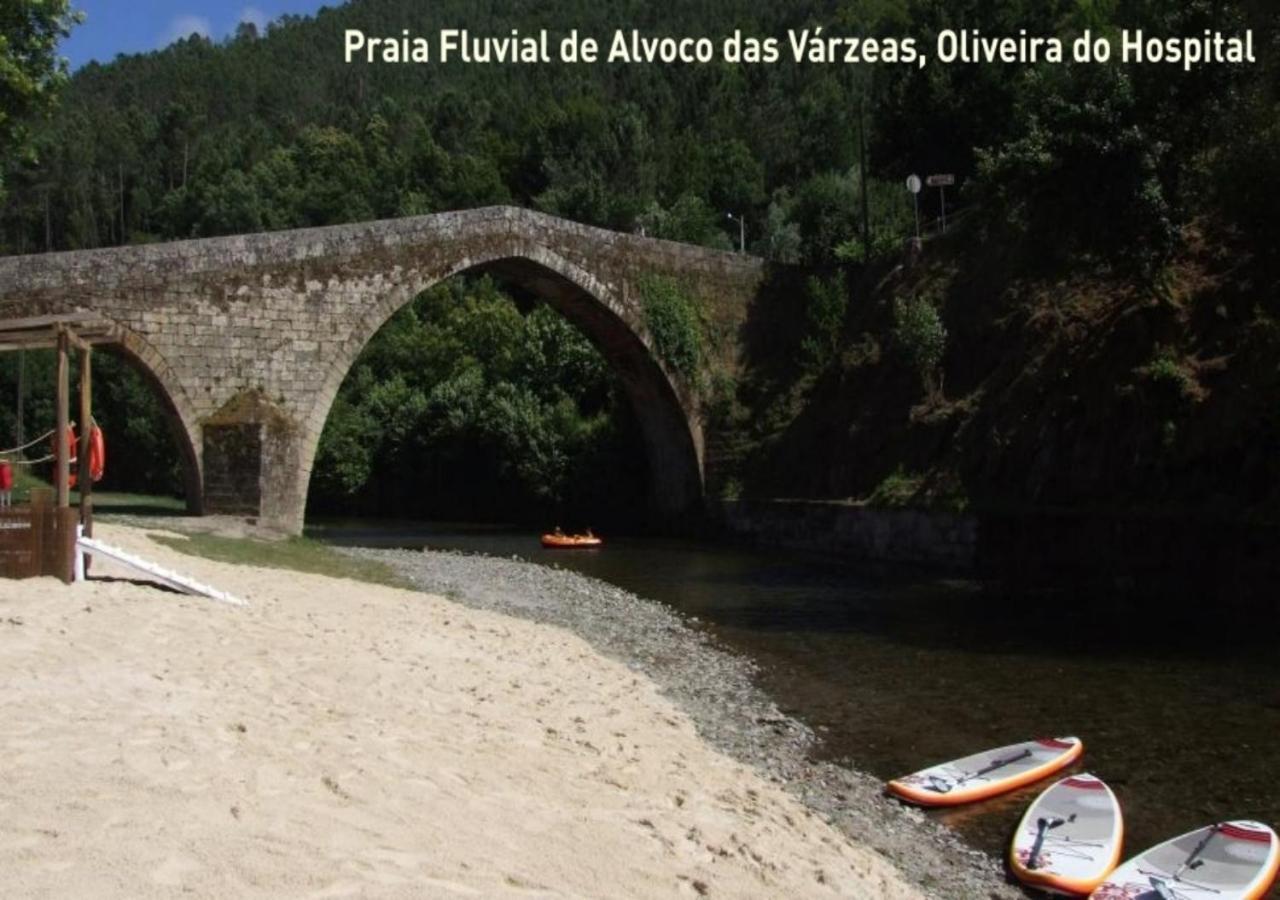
point(39, 538)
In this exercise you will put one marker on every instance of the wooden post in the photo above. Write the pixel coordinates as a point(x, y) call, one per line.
point(85, 476)
point(61, 466)
point(22, 395)
point(64, 545)
point(40, 514)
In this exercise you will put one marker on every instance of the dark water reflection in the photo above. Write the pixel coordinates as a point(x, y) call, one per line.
point(1180, 714)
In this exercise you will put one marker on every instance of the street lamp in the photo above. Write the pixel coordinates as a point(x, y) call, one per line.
point(742, 230)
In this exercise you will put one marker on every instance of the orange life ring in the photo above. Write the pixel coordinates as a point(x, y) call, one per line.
point(97, 454)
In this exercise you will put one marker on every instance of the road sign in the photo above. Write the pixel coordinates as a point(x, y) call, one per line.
point(942, 182)
point(914, 184)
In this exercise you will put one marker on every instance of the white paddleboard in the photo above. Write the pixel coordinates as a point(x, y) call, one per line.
point(1228, 861)
point(1069, 839)
point(987, 774)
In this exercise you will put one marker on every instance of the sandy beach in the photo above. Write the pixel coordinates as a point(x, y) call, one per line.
point(340, 739)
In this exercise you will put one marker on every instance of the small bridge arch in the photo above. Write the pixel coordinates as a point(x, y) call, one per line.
point(248, 338)
point(180, 413)
point(39, 332)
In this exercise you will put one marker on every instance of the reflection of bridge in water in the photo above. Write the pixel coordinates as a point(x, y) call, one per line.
point(248, 338)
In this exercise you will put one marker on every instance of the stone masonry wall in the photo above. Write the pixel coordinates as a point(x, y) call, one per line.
point(943, 540)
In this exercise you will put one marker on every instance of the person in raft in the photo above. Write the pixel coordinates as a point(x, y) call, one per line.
point(6, 484)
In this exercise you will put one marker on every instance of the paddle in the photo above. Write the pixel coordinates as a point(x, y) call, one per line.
point(997, 764)
point(1192, 861)
point(1165, 892)
point(1161, 886)
point(1042, 827)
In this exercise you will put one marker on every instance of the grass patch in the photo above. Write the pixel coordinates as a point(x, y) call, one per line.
point(135, 504)
point(293, 554)
point(103, 501)
point(898, 490)
point(1165, 369)
point(24, 482)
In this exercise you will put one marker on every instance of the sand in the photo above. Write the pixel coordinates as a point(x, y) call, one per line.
point(339, 739)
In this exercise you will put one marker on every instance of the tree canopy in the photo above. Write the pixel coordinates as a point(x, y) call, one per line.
point(275, 130)
point(1063, 170)
point(30, 70)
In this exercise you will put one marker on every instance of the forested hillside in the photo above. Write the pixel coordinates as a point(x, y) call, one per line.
point(1101, 326)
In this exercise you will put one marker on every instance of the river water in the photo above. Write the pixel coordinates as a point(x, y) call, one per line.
point(899, 670)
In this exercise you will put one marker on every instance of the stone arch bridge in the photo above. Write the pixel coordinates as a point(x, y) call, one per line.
point(248, 338)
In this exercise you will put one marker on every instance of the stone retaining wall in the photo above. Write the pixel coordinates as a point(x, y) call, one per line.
point(916, 537)
point(1116, 561)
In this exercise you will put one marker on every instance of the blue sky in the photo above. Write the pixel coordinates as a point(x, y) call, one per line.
point(136, 26)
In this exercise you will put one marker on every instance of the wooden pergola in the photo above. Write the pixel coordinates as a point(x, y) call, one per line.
point(73, 332)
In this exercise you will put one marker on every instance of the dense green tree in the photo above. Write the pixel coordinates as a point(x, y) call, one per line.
point(30, 70)
point(1083, 176)
point(462, 404)
point(142, 453)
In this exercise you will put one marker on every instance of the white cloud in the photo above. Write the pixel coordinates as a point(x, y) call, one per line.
point(185, 26)
point(256, 17)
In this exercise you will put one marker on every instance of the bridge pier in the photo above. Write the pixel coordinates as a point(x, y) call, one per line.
point(252, 458)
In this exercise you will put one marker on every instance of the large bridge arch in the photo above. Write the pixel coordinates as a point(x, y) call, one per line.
point(665, 408)
point(249, 337)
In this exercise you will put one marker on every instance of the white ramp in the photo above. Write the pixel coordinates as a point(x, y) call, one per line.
point(156, 573)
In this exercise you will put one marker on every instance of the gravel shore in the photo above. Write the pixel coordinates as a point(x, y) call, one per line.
point(717, 689)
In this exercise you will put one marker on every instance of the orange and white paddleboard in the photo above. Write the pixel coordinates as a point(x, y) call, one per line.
point(1069, 840)
point(987, 774)
point(1228, 861)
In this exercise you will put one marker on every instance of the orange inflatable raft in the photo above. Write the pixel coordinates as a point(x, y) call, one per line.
point(571, 541)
